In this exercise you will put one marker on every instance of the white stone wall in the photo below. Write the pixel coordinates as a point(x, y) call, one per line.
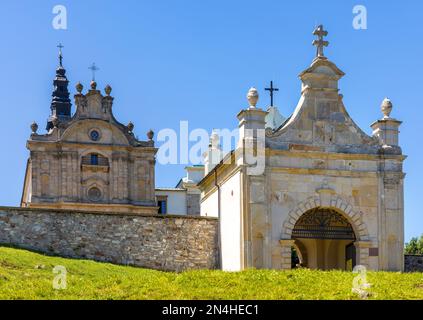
point(209, 205)
point(231, 224)
point(176, 200)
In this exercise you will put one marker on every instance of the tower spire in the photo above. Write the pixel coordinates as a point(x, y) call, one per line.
point(60, 46)
point(60, 102)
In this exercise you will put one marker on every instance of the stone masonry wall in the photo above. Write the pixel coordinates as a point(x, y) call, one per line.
point(159, 242)
point(413, 263)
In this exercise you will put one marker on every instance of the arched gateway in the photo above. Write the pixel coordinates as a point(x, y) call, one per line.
point(326, 238)
point(319, 183)
point(326, 233)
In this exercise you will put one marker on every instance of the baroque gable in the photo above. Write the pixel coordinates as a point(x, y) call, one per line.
point(320, 121)
point(93, 122)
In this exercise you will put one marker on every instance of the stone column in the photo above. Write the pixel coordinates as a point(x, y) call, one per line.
point(392, 231)
point(250, 154)
point(391, 184)
point(113, 178)
point(75, 176)
point(125, 179)
point(286, 252)
point(362, 252)
point(36, 181)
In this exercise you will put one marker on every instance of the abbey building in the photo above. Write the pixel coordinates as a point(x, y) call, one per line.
point(328, 195)
point(89, 160)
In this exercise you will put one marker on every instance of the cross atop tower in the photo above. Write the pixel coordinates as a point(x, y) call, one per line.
point(60, 46)
point(320, 42)
point(271, 89)
point(93, 68)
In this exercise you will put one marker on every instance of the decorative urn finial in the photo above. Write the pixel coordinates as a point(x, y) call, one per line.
point(130, 126)
point(150, 134)
point(214, 139)
point(34, 127)
point(386, 108)
point(79, 87)
point(252, 97)
point(108, 90)
point(93, 85)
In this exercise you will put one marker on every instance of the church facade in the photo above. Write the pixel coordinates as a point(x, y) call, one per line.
point(330, 196)
point(88, 161)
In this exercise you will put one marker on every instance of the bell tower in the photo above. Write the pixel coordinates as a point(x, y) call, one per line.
point(60, 102)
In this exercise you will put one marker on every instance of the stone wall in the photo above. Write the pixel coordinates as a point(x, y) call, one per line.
point(160, 242)
point(413, 263)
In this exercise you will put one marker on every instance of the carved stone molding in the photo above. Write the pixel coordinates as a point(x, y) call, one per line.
point(330, 200)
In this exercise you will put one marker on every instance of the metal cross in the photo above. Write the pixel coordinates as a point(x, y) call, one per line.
point(94, 68)
point(60, 46)
point(271, 89)
point(320, 42)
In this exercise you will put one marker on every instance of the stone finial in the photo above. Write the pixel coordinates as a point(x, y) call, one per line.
point(386, 108)
point(34, 127)
point(214, 139)
point(252, 97)
point(55, 121)
point(108, 90)
point(93, 85)
point(150, 134)
point(79, 87)
point(130, 126)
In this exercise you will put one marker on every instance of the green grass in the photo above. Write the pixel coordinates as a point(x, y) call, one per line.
point(28, 275)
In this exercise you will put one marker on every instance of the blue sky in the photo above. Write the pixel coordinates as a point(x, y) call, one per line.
point(195, 60)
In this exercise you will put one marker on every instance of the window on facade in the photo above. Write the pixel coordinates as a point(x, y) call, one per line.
point(94, 194)
point(94, 135)
point(94, 159)
point(162, 204)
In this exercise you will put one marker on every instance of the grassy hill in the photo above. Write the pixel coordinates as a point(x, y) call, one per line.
point(28, 275)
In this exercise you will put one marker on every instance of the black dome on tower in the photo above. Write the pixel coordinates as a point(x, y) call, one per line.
point(60, 102)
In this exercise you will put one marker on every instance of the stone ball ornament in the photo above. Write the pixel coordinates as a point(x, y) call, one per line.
point(252, 97)
point(150, 134)
point(108, 90)
point(130, 126)
point(386, 108)
point(34, 127)
point(93, 85)
point(79, 87)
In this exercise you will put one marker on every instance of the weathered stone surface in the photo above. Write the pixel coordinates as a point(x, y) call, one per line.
point(159, 242)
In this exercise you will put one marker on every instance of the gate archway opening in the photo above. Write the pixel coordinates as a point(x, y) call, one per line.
point(326, 238)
